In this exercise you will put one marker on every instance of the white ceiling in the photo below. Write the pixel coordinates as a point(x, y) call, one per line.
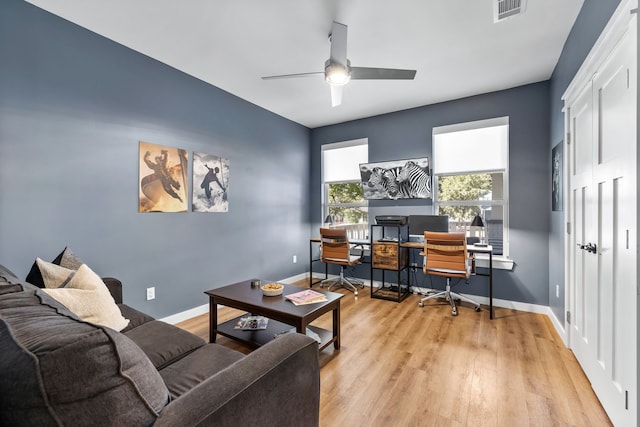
point(455, 47)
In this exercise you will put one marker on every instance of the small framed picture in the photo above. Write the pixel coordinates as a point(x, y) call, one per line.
point(556, 177)
point(162, 181)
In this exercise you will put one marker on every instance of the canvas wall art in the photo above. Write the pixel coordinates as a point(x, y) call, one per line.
point(210, 183)
point(162, 178)
point(398, 179)
point(556, 177)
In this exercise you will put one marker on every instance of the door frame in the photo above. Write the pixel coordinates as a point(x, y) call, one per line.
point(623, 20)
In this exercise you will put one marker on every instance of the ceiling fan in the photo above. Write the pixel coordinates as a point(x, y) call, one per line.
point(338, 70)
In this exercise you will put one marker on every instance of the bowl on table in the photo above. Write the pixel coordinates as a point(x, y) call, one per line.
point(272, 289)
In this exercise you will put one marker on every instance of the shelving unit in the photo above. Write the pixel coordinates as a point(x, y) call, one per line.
point(388, 255)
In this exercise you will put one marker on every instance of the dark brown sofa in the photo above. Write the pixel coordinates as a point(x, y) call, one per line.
point(56, 369)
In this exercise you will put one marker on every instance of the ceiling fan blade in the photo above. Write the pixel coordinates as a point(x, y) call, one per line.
point(364, 73)
point(287, 76)
point(336, 95)
point(338, 43)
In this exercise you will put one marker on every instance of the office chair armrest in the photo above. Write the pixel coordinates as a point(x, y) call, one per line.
point(361, 246)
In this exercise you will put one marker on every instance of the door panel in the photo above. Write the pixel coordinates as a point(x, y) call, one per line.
point(602, 205)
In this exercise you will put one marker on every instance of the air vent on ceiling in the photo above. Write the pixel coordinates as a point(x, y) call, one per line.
point(503, 9)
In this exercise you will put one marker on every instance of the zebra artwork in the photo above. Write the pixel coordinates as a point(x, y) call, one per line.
point(385, 181)
point(416, 178)
point(403, 179)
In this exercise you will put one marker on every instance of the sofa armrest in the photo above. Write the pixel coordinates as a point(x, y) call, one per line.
point(276, 385)
point(115, 288)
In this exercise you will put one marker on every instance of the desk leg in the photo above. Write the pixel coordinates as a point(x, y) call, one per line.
point(310, 264)
point(311, 261)
point(336, 326)
point(213, 320)
point(490, 285)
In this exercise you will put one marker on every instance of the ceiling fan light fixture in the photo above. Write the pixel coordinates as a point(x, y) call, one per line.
point(337, 74)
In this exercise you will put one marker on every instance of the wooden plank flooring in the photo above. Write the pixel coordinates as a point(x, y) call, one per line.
point(402, 365)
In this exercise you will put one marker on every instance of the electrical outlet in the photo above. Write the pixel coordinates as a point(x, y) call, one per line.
point(295, 259)
point(557, 291)
point(151, 293)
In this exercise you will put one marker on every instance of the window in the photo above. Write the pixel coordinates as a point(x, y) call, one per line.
point(470, 168)
point(343, 199)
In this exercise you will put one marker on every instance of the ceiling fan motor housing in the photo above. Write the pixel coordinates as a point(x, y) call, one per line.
point(337, 74)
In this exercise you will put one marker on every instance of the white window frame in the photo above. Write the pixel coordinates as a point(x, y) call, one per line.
point(326, 204)
point(501, 261)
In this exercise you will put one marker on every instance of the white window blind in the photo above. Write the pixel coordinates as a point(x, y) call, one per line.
point(341, 161)
point(472, 147)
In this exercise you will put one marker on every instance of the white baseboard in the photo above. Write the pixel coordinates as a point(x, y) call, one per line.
point(515, 305)
point(186, 315)
point(559, 326)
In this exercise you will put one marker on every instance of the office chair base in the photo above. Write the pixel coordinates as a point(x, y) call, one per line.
point(451, 297)
point(347, 283)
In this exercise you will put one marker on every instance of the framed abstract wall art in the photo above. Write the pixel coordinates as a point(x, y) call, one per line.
point(397, 179)
point(162, 183)
point(556, 177)
point(210, 183)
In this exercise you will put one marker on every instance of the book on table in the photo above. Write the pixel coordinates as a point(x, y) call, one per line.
point(252, 323)
point(308, 296)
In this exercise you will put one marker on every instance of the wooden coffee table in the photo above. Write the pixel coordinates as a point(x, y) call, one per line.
point(282, 314)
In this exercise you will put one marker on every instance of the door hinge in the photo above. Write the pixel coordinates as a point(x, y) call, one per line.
point(568, 138)
point(568, 317)
point(568, 228)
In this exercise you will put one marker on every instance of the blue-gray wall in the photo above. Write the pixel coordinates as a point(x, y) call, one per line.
point(593, 17)
point(73, 106)
point(407, 134)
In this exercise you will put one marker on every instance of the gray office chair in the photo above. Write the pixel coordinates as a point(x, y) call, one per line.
point(446, 255)
point(335, 249)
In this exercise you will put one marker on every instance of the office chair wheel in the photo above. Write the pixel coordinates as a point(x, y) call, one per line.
point(477, 309)
point(355, 293)
point(454, 312)
point(420, 304)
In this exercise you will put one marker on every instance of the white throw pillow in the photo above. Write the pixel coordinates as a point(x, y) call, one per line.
point(53, 275)
point(84, 293)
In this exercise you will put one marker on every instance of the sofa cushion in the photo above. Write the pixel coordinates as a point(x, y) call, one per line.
point(66, 259)
point(9, 282)
point(136, 318)
point(197, 366)
point(84, 293)
point(57, 369)
point(164, 343)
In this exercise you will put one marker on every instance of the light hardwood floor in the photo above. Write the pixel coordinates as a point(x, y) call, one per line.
point(402, 365)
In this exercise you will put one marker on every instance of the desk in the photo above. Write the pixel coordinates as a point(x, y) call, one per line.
point(474, 250)
point(410, 245)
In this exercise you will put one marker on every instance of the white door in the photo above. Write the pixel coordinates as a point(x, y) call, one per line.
point(602, 250)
